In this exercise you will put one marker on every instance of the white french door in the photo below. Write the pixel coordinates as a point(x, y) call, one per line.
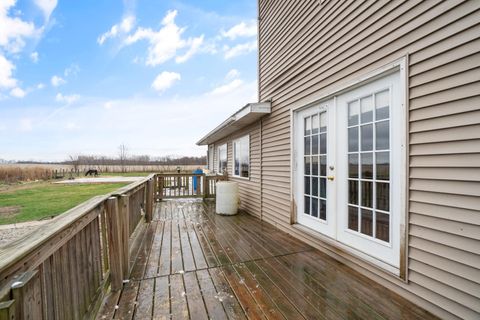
point(349, 175)
point(315, 187)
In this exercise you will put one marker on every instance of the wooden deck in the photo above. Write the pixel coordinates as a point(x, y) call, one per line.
point(198, 265)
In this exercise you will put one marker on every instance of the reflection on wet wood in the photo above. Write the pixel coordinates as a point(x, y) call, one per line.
point(194, 264)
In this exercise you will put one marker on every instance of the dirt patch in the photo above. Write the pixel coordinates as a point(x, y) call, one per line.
point(10, 211)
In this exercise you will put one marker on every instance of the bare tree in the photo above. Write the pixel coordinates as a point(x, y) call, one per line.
point(74, 161)
point(123, 156)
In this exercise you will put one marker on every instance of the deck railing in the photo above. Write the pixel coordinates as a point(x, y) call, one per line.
point(186, 185)
point(63, 269)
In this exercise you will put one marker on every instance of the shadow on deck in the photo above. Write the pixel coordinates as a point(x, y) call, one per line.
point(195, 264)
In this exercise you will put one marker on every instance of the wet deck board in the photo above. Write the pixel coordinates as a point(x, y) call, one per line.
point(194, 264)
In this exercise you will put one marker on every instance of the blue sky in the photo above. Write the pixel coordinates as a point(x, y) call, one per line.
point(83, 77)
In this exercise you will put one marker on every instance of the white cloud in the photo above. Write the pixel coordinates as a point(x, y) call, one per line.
point(72, 126)
point(6, 74)
point(164, 43)
point(239, 49)
point(47, 7)
point(226, 88)
point(232, 74)
point(243, 29)
point(34, 56)
point(195, 44)
point(57, 81)
point(40, 86)
point(18, 93)
point(13, 29)
point(72, 70)
point(165, 80)
point(68, 99)
point(125, 26)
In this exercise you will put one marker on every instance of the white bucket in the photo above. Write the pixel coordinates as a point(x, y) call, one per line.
point(227, 198)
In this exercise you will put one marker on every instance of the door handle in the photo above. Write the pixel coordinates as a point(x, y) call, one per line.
point(331, 178)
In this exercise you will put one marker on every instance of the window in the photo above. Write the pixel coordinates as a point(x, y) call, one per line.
point(222, 158)
point(241, 157)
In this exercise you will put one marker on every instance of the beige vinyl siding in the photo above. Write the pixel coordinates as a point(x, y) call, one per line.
point(249, 189)
point(309, 48)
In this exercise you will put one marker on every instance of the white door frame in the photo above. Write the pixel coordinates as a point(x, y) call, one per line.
point(396, 66)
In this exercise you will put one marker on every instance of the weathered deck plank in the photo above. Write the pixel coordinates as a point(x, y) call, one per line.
point(194, 264)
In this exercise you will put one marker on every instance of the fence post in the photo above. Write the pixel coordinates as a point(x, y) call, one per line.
point(114, 238)
point(124, 215)
point(149, 200)
point(27, 293)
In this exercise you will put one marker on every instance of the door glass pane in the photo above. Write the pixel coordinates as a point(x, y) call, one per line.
point(323, 122)
point(323, 187)
point(307, 185)
point(366, 107)
point(307, 205)
point(314, 207)
point(353, 218)
point(315, 144)
point(352, 191)
point(307, 145)
point(366, 137)
point(315, 166)
point(323, 143)
point(383, 165)
point(323, 209)
point(382, 135)
point(308, 126)
point(382, 226)
point(323, 165)
point(307, 165)
point(315, 186)
point(366, 163)
point(383, 196)
point(353, 110)
point(353, 165)
point(381, 105)
point(367, 194)
point(315, 124)
point(353, 139)
point(366, 222)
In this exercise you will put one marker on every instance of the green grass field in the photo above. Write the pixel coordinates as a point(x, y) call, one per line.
point(36, 201)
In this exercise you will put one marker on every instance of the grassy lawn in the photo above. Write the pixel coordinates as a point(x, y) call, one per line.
point(41, 200)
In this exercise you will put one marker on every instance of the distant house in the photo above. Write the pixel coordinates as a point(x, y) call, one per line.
point(366, 141)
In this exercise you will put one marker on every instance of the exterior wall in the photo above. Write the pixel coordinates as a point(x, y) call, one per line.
point(308, 48)
point(249, 188)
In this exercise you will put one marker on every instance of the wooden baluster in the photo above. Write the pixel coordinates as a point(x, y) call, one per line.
point(124, 215)
point(149, 201)
point(114, 244)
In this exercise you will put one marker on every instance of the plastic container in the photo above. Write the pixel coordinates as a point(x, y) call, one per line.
point(227, 198)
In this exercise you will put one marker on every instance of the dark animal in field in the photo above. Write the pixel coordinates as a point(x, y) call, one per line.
point(91, 172)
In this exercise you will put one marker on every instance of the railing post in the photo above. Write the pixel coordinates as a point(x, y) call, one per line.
point(149, 200)
point(27, 294)
point(161, 182)
point(204, 185)
point(114, 238)
point(124, 215)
